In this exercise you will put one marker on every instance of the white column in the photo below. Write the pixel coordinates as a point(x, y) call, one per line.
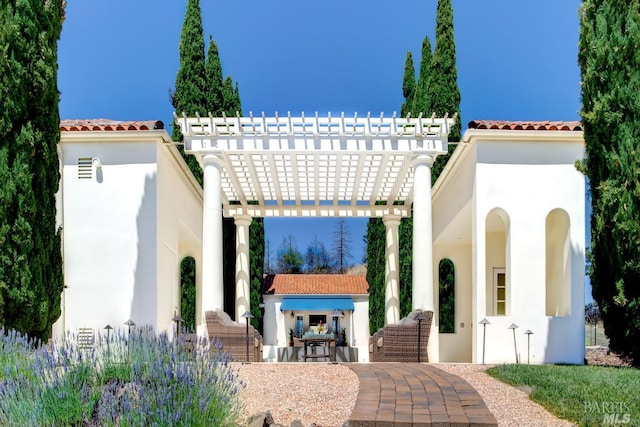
point(212, 295)
point(243, 294)
point(391, 270)
point(422, 234)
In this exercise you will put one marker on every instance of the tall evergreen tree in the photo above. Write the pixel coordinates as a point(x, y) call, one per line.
point(422, 102)
point(189, 96)
point(408, 85)
point(436, 91)
point(256, 260)
point(31, 279)
point(609, 58)
point(200, 88)
point(405, 272)
point(376, 237)
point(213, 72)
point(444, 91)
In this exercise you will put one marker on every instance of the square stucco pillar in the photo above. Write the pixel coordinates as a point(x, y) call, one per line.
point(391, 270)
point(212, 295)
point(243, 293)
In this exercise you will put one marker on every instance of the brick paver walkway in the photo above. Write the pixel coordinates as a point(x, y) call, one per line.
point(413, 394)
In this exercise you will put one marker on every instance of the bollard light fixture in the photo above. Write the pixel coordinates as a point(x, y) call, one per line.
point(247, 315)
point(513, 327)
point(108, 328)
point(528, 332)
point(419, 317)
point(484, 322)
point(178, 319)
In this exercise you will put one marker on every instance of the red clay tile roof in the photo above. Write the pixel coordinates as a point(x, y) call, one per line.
point(108, 125)
point(317, 284)
point(541, 125)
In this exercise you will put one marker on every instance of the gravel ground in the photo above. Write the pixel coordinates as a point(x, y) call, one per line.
point(309, 392)
point(319, 393)
point(511, 406)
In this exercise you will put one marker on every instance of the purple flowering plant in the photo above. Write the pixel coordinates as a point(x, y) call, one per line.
point(141, 378)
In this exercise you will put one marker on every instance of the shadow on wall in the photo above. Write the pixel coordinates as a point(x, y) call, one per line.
point(145, 297)
point(566, 335)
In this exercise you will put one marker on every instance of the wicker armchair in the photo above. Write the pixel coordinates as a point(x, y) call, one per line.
point(399, 342)
point(233, 336)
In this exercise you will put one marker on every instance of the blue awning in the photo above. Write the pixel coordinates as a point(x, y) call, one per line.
point(310, 303)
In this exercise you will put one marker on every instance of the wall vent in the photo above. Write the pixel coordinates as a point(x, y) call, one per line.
point(85, 168)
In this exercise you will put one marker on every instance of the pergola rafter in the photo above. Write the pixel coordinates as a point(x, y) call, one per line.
point(316, 166)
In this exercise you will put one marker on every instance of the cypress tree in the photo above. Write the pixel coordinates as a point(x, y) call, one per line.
point(256, 260)
point(408, 85)
point(231, 96)
point(213, 73)
point(609, 58)
point(422, 97)
point(443, 88)
point(436, 91)
point(31, 279)
point(375, 272)
point(190, 96)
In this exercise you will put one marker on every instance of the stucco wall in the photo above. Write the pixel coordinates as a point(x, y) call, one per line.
point(456, 347)
point(527, 180)
point(122, 230)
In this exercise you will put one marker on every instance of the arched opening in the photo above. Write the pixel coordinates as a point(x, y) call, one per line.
point(447, 296)
point(498, 290)
point(188, 293)
point(557, 264)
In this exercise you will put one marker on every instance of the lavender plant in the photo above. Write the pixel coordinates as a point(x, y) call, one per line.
point(141, 379)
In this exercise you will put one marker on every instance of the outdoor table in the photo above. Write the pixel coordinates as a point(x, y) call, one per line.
point(327, 339)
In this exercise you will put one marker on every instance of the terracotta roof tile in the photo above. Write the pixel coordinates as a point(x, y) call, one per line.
point(108, 125)
point(523, 125)
point(317, 284)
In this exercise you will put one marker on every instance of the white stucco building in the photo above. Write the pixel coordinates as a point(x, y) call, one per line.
point(508, 211)
point(297, 302)
point(130, 210)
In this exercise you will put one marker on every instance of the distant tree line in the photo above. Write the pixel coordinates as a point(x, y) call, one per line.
point(316, 259)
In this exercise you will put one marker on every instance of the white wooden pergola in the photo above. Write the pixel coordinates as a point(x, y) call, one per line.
point(316, 167)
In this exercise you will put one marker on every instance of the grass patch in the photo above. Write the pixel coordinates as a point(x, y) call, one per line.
point(585, 395)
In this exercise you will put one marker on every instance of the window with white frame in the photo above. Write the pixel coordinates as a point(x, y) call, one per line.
point(499, 291)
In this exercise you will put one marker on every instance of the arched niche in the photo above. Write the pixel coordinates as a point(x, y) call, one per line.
point(497, 247)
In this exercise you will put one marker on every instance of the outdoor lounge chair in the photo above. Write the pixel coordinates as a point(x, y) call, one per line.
point(399, 342)
point(233, 336)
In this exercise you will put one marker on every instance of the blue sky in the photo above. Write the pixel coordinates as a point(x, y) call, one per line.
point(515, 60)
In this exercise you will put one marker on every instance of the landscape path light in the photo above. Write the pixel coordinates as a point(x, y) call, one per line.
point(528, 332)
point(129, 324)
point(108, 328)
point(420, 318)
point(247, 315)
point(484, 322)
point(178, 319)
point(513, 327)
